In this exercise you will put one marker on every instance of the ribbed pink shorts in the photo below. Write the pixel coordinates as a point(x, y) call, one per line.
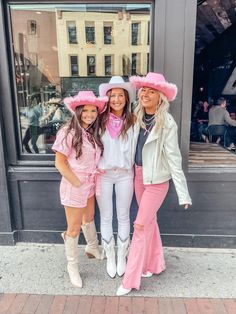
point(77, 197)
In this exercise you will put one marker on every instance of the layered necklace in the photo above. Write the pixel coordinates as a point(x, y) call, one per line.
point(149, 121)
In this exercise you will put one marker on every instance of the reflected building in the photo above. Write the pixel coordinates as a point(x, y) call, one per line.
point(98, 44)
point(35, 53)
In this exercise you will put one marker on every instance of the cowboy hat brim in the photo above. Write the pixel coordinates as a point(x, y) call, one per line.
point(105, 87)
point(168, 89)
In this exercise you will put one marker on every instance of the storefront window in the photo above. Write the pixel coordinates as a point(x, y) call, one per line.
point(213, 123)
point(60, 49)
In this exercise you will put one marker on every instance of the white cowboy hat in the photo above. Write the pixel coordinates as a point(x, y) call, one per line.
point(117, 82)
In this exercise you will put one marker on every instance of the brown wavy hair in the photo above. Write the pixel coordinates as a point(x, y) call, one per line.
point(128, 116)
point(75, 125)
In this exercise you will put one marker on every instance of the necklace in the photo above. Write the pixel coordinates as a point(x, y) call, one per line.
point(148, 129)
point(147, 119)
point(149, 123)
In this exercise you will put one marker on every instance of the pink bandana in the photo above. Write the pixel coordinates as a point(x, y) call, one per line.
point(114, 125)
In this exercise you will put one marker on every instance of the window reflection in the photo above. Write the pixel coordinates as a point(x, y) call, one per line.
point(135, 35)
point(61, 49)
point(90, 32)
point(72, 33)
point(108, 34)
point(74, 65)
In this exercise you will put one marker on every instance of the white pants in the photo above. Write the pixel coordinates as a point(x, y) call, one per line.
point(124, 188)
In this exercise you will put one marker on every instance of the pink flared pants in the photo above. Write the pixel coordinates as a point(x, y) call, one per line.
point(146, 251)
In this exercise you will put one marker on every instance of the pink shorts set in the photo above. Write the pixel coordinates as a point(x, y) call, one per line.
point(85, 167)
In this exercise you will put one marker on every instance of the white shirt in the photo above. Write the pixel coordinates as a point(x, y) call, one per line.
point(117, 151)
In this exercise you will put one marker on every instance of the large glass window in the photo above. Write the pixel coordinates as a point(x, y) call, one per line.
point(60, 49)
point(213, 124)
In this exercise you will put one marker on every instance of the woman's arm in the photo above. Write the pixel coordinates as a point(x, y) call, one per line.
point(174, 159)
point(62, 165)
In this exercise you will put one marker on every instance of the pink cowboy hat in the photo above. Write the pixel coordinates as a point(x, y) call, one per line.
point(85, 98)
point(155, 81)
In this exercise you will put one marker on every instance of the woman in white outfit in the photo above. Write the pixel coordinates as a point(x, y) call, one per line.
point(117, 163)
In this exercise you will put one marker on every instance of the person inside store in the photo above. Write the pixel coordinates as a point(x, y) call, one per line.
point(117, 164)
point(78, 148)
point(157, 160)
point(202, 121)
point(219, 115)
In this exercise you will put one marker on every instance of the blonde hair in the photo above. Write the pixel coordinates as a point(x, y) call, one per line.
point(160, 114)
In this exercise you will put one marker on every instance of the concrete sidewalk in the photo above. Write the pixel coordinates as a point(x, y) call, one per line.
point(191, 273)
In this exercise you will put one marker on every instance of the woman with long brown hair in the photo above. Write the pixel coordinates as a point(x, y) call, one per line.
point(78, 149)
point(117, 164)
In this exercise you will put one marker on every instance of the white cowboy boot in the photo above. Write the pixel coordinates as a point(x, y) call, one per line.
point(71, 250)
point(90, 234)
point(123, 247)
point(109, 249)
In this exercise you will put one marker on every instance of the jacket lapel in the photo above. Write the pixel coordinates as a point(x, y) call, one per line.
point(153, 136)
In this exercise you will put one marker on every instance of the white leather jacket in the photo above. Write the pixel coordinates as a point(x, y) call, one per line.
point(162, 159)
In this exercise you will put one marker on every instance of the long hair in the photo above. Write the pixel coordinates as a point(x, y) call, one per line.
point(75, 125)
point(128, 116)
point(160, 114)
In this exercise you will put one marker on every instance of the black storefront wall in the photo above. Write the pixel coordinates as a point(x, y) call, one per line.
point(30, 209)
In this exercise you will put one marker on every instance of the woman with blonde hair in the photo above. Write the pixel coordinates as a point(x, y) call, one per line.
point(157, 160)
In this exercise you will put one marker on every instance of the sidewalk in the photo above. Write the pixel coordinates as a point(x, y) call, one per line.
point(34, 275)
point(42, 304)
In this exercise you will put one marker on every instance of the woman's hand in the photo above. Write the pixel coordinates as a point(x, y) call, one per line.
point(186, 206)
point(77, 183)
point(63, 167)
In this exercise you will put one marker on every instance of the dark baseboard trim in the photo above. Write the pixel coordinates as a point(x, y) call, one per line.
point(172, 240)
point(41, 236)
point(7, 238)
point(199, 241)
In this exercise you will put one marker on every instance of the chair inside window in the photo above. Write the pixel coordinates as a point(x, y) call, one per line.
point(216, 131)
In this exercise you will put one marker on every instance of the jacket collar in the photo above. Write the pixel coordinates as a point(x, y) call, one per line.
point(151, 137)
